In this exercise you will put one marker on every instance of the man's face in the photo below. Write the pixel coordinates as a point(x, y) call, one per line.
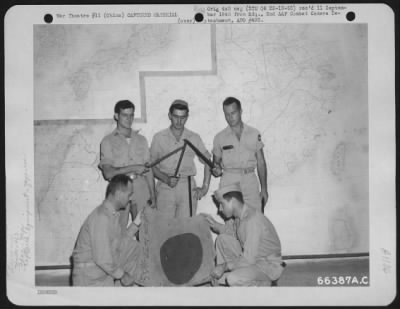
point(125, 195)
point(226, 208)
point(125, 118)
point(178, 118)
point(233, 114)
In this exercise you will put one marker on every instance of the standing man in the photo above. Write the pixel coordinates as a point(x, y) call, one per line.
point(237, 152)
point(252, 255)
point(124, 151)
point(105, 251)
point(173, 192)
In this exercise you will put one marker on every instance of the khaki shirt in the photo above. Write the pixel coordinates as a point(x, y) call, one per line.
point(117, 152)
point(235, 153)
point(258, 238)
point(99, 240)
point(164, 142)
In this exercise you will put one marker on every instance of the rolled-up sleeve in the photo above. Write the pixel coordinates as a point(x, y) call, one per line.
point(217, 151)
point(102, 248)
point(105, 153)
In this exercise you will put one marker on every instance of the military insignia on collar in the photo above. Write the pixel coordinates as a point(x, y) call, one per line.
point(259, 137)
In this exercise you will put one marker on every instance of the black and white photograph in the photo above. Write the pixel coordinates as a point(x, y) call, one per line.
point(210, 147)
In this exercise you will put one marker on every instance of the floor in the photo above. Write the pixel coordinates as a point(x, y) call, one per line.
point(313, 272)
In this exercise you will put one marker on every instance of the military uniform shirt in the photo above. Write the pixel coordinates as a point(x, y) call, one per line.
point(258, 239)
point(117, 152)
point(235, 153)
point(164, 142)
point(99, 240)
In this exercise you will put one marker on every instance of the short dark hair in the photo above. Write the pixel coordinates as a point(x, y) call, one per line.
point(179, 104)
point(236, 194)
point(123, 104)
point(118, 182)
point(231, 100)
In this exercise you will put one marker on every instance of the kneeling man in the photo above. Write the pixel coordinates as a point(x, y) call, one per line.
point(249, 251)
point(106, 254)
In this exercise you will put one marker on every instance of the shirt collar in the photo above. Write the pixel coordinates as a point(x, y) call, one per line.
point(118, 132)
point(184, 134)
point(230, 130)
point(244, 212)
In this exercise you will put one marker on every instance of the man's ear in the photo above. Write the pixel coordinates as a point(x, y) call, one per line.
point(169, 115)
point(116, 116)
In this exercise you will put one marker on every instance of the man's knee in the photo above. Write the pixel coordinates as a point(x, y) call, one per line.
point(232, 279)
point(247, 276)
point(235, 279)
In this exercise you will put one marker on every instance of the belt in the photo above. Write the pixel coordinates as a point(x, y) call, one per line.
point(182, 177)
point(239, 170)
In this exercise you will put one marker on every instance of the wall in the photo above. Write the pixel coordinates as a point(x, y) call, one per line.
point(303, 86)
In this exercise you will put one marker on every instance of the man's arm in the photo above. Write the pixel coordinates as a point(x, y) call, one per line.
point(206, 178)
point(251, 246)
point(102, 249)
point(107, 166)
point(155, 154)
point(217, 157)
point(217, 170)
point(217, 227)
point(201, 192)
point(169, 180)
point(110, 171)
point(151, 183)
point(262, 176)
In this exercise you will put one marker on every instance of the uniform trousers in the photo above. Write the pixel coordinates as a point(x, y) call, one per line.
point(90, 274)
point(174, 202)
point(228, 249)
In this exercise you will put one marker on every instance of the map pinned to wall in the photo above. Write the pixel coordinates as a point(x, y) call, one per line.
point(80, 70)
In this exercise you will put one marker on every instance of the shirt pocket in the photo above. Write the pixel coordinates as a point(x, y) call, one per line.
point(139, 154)
point(229, 155)
point(119, 153)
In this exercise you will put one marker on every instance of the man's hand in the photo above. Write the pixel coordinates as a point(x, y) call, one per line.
point(264, 199)
point(127, 280)
point(199, 193)
point(152, 201)
point(172, 181)
point(140, 169)
point(212, 223)
point(219, 270)
point(138, 219)
point(217, 171)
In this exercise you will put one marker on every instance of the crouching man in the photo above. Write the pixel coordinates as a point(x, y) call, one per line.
point(248, 247)
point(105, 253)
